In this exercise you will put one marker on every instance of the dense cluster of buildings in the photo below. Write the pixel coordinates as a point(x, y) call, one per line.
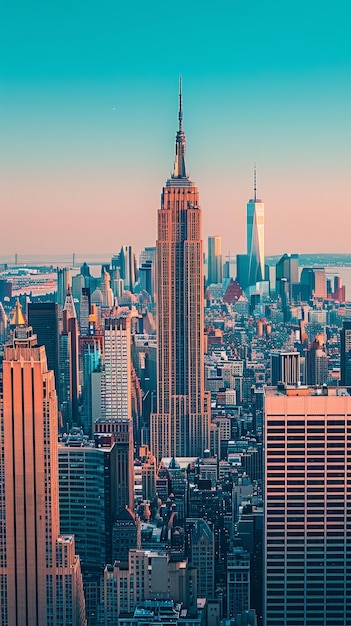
point(175, 442)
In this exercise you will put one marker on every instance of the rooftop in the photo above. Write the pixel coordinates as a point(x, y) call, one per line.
point(301, 390)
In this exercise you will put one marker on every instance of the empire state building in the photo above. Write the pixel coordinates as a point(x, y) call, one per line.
point(181, 425)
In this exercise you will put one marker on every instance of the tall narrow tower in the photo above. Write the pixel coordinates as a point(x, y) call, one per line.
point(43, 318)
point(214, 260)
point(181, 425)
point(255, 236)
point(70, 327)
point(116, 403)
point(345, 353)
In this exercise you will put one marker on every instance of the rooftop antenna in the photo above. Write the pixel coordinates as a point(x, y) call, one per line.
point(180, 114)
point(255, 182)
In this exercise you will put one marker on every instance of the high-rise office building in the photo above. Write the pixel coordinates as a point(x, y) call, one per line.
point(285, 368)
point(287, 276)
point(70, 328)
point(91, 349)
point(214, 261)
point(316, 363)
point(128, 267)
point(120, 430)
point(148, 473)
point(87, 495)
point(345, 354)
point(3, 325)
point(5, 289)
point(105, 288)
point(242, 270)
point(307, 548)
point(255, 237)
point(320, 283)
point(313, 283)
point(126, 535)
point(84, 311)
point(116, 403)
point(43, 318)
point(238, 582)
point(150, 574)
point(65, 390)
point(40, 579)
point(180, 427)
point(117, 379)
point(78, 282)
point(147, 270)
point(63, 281)
point(148, 254)
point(201, 554)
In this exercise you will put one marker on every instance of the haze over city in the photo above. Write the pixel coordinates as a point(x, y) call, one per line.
point(88, 111)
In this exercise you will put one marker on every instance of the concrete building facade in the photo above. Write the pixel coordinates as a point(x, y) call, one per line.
point(307, 538)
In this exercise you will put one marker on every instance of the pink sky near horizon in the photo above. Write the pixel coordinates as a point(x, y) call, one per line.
point(82, 213)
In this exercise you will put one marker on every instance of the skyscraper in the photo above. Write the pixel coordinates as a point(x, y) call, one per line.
point(313, 283)
point(147, 262)
point(307, 549)
point(3, 325)
point(117, 377)
point(287, 273)
point(238, 582)
point(87, 495)
point(116, 403)
point(181, 425)
point(84, 311)
point(120, 431)
point(345, 353)
point(63, 281)
point(200, 549)
point(255, 237)
point(285, 368)
point(70, 328)
point(242, 270)
point(214, 261)
point(43, 318)
point(128, 268)
point(91, 349)
point(37, 586)
point(316, 363)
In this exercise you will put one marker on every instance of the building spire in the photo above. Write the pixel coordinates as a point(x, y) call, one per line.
point(18, 318)
point(255, 182)
point(69, 307)
point(180, 113)
point(179, 170)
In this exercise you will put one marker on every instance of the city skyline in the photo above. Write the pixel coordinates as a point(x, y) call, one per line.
point(219, 472)
point(88, 108)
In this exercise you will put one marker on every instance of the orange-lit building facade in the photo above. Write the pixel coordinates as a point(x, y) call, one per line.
point(307, 540)
point(36, 585)
point(180, 426)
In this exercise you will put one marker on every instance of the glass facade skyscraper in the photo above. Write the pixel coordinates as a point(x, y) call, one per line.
point(255, 238)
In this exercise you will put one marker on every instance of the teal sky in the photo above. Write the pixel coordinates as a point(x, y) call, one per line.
point(88, 115)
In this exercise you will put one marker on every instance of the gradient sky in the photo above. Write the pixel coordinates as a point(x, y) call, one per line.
point(88, 115)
